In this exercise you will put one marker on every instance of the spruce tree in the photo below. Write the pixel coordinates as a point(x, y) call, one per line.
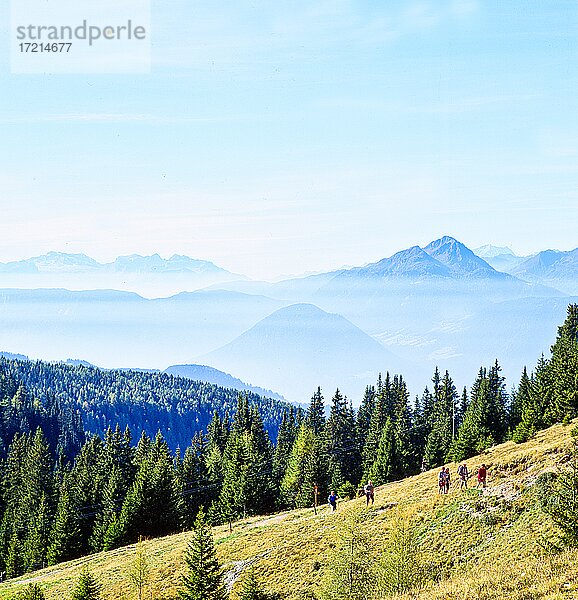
point(31, 592)
point(196, 484)
point(342, 447)
point(65, 542)
point(203, 579)
point(316, 413)
point(534, 402)
point(104, 531)
point(384, 464)
point(382, 409)
point(251, 590)
point(563, 370)
point(521, 397)
point(87, 588)
point(285, 439)
point(248, 467)
point(485, 421)
point(139, 571)
point(307, 468)
point(153, 505)
point(442, 431)
point(363, 419)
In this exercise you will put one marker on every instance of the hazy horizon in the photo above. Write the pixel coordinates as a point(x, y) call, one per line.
point(278, 140)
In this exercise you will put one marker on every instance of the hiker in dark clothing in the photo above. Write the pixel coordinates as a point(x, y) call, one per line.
point(442, 481)
point(464, 476)
point(332, 500)
point(368, 489)
point(448, 481)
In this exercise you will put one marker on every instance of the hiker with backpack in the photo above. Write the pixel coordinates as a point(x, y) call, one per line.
point(368, 489)
point(332, 501)
point(448, 481)
point(442, 481)
point(464, 476)
point(482, 474)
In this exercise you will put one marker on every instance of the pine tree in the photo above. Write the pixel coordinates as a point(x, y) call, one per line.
point(563, 369)
point(443, 421)
point(382, 410)
point(104, 531)
point(351, 573)
point(485, 421)
point(384, 463)
point(285, 439)
point(86, 588)
point(153, 505)
point(520, 398)
point(307, 467)
point(139, 572)
point(204, 577)
point(341, 440)
point(32, 592)
point(248, 467)
point(316, 413)
point(363, 419)
point(251, 589)
point(65, 542)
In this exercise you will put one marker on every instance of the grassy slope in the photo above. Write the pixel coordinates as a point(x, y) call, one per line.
point(490, 542)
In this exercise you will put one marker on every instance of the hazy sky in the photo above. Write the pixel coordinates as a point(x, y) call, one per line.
point(277, 138)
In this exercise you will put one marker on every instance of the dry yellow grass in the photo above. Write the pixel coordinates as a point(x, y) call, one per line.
point(491, 542)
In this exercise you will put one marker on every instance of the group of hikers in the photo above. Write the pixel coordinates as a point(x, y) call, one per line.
point(444, 484)
point(444, 478)
point(367, 490)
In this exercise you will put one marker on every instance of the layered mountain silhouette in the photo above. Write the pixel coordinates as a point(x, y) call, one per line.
point(147, 275)
point(440, 304)
point(220, 378)
point(60, 262)
point(551, 267)
point(300, 347)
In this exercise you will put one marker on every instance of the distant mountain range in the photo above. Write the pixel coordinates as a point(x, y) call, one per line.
point(551, 267)
point(442, 304)
point(59, 262)
point(220, 378)
point(148, 275)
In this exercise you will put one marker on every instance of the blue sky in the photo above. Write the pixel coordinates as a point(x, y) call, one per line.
point(279, 139)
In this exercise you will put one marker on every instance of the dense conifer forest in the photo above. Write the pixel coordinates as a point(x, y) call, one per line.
point(76, 480)
point(142, 401)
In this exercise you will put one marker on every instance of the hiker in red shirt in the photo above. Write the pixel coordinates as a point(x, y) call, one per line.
point(482, 473)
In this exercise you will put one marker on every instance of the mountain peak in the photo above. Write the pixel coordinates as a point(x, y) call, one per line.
point(461, 261)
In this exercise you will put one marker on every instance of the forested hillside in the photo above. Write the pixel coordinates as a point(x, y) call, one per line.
point(113, 492)
point(149, 402)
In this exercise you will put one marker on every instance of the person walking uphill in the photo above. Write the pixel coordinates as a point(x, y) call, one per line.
point(332, 501)
point(368, 489)
point(448, 481)
point(443, 479)
point(482, 474)
point(464, 476)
